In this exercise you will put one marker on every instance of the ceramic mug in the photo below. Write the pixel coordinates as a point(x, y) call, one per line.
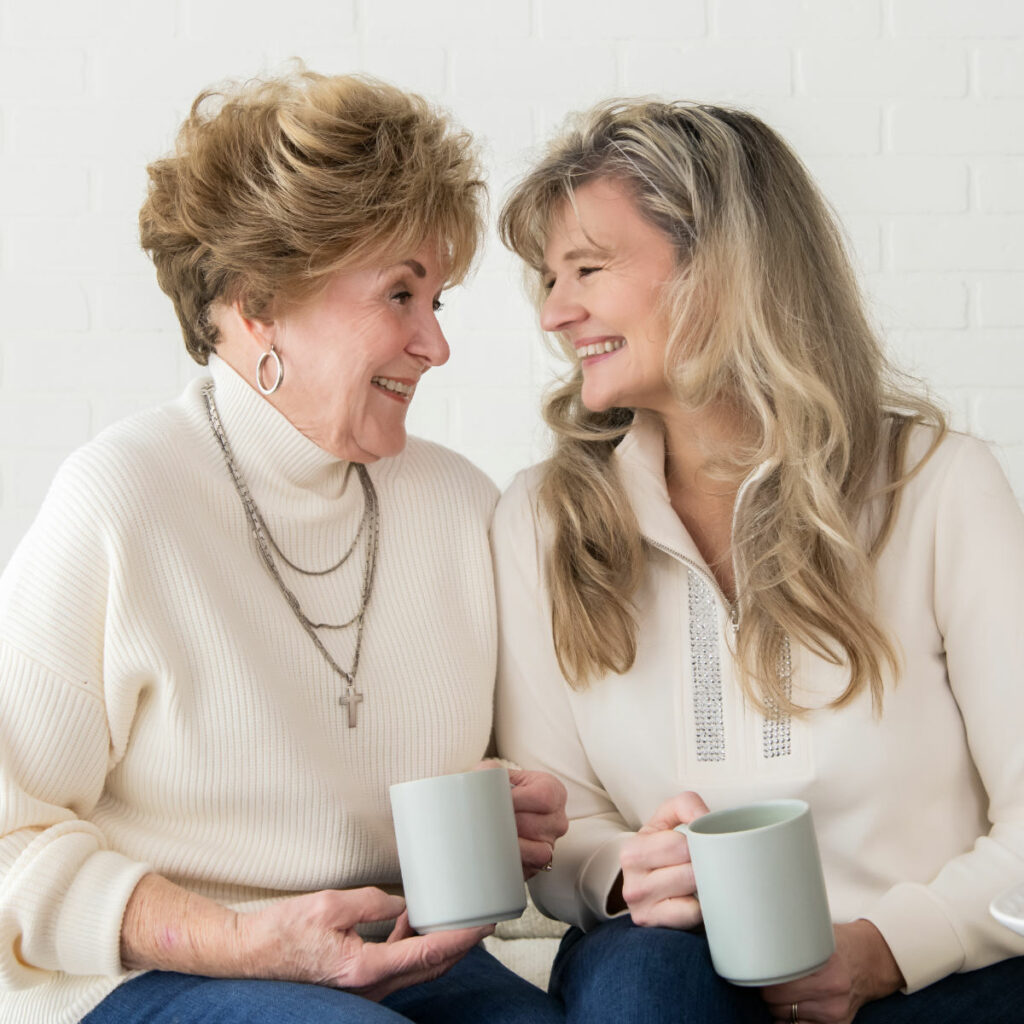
point(761, 891)
point(458, 850)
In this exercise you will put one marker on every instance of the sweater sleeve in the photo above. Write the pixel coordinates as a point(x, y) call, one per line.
point(535, 725)
point(62, 891)
point(944, 926)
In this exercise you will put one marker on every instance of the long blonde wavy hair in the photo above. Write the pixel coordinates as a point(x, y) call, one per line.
point(766, 315)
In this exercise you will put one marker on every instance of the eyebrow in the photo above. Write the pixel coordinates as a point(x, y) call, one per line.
point(416, 267)
point(576, 254)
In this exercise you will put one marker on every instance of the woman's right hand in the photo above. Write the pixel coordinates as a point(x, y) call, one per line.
point(312, 938)
point(657, 877)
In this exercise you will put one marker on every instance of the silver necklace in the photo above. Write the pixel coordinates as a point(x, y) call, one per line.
point(352, 698)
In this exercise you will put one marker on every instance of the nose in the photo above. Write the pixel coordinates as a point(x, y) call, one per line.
point(560, 310)
point(430, 344)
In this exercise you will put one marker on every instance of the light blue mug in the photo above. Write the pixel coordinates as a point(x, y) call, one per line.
point(458, 850)
point(761, 891)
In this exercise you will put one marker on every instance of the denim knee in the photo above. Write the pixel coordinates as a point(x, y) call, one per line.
point(619, 971)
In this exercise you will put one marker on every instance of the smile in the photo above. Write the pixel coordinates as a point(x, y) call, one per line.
point(600, 348)
point(394, 386)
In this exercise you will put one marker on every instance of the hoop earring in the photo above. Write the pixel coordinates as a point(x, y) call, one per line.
point(278, 377)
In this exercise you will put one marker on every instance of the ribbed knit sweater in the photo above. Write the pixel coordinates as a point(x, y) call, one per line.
point(161, 708)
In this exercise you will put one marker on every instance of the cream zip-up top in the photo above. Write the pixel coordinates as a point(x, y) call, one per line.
point(919, 812)
point(162, 709)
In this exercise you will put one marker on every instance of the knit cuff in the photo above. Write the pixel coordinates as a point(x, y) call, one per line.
point(88, 939)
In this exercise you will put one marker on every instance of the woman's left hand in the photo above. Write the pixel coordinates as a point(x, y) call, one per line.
point(862, 969)
point(539, 802)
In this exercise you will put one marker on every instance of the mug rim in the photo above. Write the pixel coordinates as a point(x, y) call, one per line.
point(796, 805)
point(436, 779)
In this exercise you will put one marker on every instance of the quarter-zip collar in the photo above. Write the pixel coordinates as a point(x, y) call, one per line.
point(640, 461)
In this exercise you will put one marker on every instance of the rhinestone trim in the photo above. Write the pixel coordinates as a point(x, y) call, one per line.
point(707, 670)
point(776, 736)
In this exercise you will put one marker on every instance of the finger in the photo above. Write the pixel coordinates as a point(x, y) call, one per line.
point(682, 912)
point(821, 996)
point(381, 990)
point(648, 851)
point(343, 908)
point(537, 792)
point(418, 976)
point(680, 810)
point(535, 853)
point(402, 929)
point(810, 1011)
point(544, 828)
point(535, 856)
point(380, 962)
point(654, 886)
point(414, 976)
point(823, 983)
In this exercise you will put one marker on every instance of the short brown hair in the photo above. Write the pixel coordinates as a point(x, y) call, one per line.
point(276, 183)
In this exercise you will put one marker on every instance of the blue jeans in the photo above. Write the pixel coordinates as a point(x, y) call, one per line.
point(477, 989)
point(619, 972)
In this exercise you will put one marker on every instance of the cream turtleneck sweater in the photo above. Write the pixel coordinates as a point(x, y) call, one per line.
point(161, 709)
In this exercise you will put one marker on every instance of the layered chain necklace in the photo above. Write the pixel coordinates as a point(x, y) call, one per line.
point(369, 525)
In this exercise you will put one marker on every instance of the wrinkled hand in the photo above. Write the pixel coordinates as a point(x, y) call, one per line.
point(862, 969)
point(657, 877)
point(312, 939)
point(539, 802)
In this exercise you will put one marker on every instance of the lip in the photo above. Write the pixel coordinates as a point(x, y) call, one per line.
point(597, 340)
point(409, 382)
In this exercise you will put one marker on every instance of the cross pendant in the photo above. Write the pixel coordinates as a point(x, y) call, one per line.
point(352, 699)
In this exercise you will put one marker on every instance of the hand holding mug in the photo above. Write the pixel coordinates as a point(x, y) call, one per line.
point(313, 939)
point(762, 892)
point(539, 802)
point(657, 877)
point(861, 970)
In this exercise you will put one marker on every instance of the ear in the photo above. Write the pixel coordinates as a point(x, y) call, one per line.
point(261, 330)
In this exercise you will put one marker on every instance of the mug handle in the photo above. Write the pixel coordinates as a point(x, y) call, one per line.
point(684, 830)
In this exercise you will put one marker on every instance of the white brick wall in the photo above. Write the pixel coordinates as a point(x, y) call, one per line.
point(909, 112)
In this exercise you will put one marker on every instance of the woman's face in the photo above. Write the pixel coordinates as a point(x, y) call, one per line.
point(604, 270)
point(354, 353)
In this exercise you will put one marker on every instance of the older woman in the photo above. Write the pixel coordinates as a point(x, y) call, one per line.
point(239, 617)
point(756, 566)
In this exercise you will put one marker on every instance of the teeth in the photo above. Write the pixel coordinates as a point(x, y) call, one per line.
point(393, 385)
point(600, 347)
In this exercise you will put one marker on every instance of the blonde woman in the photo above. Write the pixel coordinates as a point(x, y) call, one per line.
point(757, 565)
point(240, 617)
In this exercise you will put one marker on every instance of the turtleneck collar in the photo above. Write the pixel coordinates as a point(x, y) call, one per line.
point(279, 463)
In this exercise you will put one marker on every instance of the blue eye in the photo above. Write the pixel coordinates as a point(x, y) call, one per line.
point(587, 271)
point(402, 297)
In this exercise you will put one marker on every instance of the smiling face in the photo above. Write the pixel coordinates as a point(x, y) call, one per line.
point(354, 353)
point(605, 267)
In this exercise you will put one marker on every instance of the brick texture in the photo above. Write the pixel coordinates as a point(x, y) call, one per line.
point(910, 113)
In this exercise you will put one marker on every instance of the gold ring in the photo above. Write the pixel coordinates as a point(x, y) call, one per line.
point(794, 1013)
